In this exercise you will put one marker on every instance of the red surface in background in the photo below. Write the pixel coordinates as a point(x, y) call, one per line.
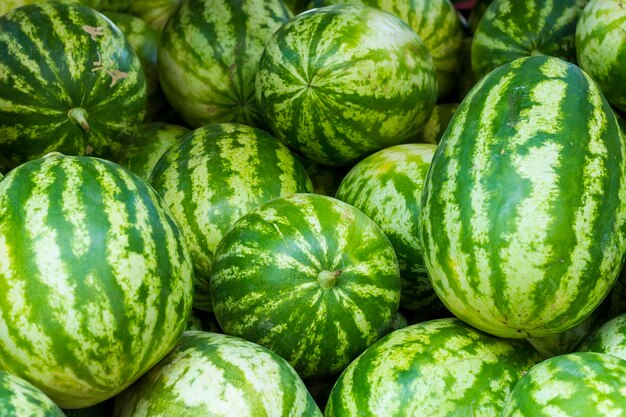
point(464, 5)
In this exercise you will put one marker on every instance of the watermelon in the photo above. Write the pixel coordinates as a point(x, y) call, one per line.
point(523, 210)
point(145, 42)
point(216, 174)
point(477, 13)
point(8, 5)
point(309, 277)
point(155, 13)
point(437, 123)
point(204, 321)
point(20, 398)
point(148, 146)
point(438, 368)
point(70, 83)
point(387, 187)
point(325, 178)
point(609, 338)
point(366, 83)
point(573, 385)
point(96, 282)
point(601, 47)
point(209, 54)
point(511, 29)
point(437, 24)
point(209, 374)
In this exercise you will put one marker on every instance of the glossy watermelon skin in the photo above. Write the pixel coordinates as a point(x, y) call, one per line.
point(437, 24)
point(18, 397)
point(601, 47)
point(148, 146)
point(578, 384)
point(387, 187)
point(96, 280)
point(609, 338)
point(71, 83)
point(437, 123)
point(437, 368)
point(214, 175)
point(366, 84)
point(511, 29)
point(209, 374)
point(309, 277)
point(8, 5)
point(209, 54)
point(524, 204)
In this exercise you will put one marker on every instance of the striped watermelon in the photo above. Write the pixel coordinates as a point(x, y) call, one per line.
point(209, 55)
point(155, 13)
point(438, 368)
point(8, 5)
point(209, 374)
point(511, 29)
point(601, 47)
point(437, 24)
point(387, 187)
point(609, 338)
point(309, 277)
point(20, 398)
point(70, 83)
point(573, 385)
point(216, 174)
point(145, 42)
point(523, 208)
point(437, 123)
point(367, 82)
point(149, 144)
point(95, 279)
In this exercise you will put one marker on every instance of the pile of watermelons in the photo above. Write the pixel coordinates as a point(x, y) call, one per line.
point(341, 207)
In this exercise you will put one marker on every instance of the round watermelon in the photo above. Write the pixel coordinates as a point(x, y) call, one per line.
point(70, 83)
point(309, 277)
point(155, 13)
point(96, 280)
point(209, 374)
point(601, 47)
point(340, 82)
point(216, 174)
point(523, 210)
point(437, 123)
point(437, 368)
point(609, 338)
point(20, 398)
point(573, 385)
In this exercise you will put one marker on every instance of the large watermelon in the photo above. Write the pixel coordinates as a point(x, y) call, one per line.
point(511, 29)
point(8, 5)
point(523, 210)
point(437, 24)
point(308, 276)
point(216, 174)
point(209, 374)
point(20, 398)
point(573, 385)
point(70, 83)
point(387, 187)
point(154, 12)
point(209, 54)
point(96, 282)
point(438, 368)
point(609, 338)
point(339, 82)
point(601, 47)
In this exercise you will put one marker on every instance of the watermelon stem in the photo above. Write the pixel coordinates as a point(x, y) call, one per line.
point(78, 116)
point(327, 279)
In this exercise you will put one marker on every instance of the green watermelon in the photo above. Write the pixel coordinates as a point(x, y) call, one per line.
point(437, 123)
point(96, 282)
point(20, 398)
point(148, 146)
point(477, 13)
point(609, 338)
point(523, 210)
point(437, 24)
point(573, 385)
point(309, 277)
point(70, 83)
point(154, 12)
point(118, 6)
point(209, 374)
point(209, 54)
point(511, 29)
point(367, 82)
point(145, 42)
point(8, 5)
point(438, 368)
point(216, 174)
point(387, 187)
point(601, 47)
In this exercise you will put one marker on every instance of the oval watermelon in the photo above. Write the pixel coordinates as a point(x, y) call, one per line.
point(20, 398)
